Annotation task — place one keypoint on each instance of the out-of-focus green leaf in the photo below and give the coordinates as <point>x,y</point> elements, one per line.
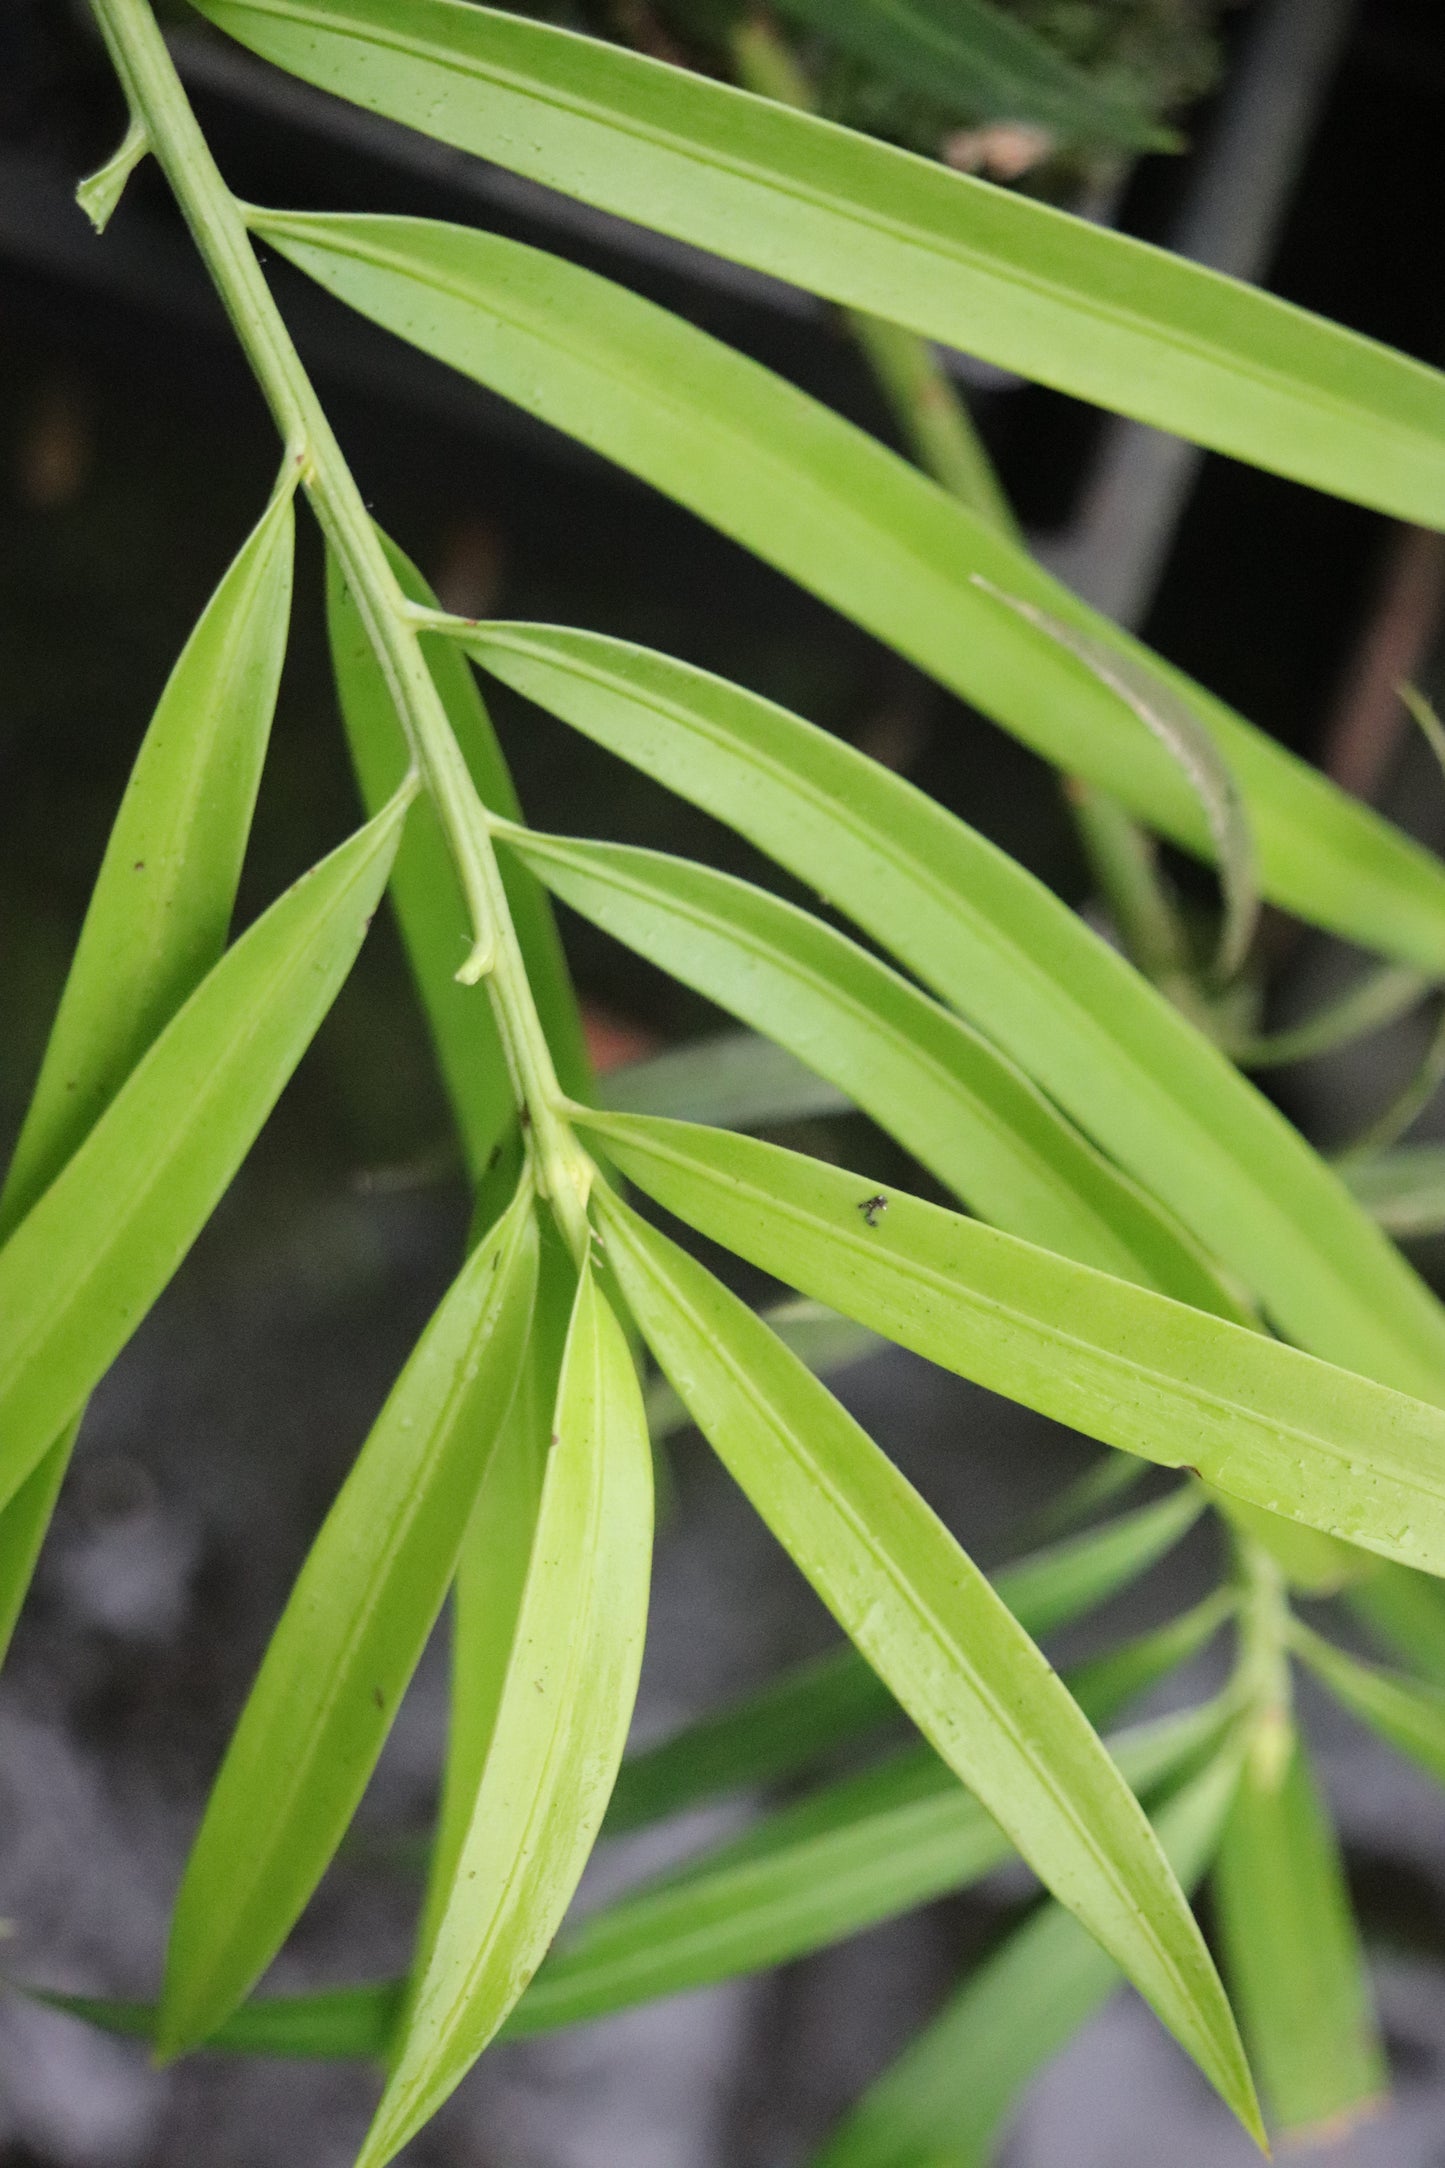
<point>861,527</point>
<point>1404,1190</point>
<point>822,1704</point>
<point>1111,1476</point>
<point>929,1623</point>
<point>959,1107</point>
<point>348,2023</point>
<point>1312,1562</point>
<point>987,62</point>
<point>429,903</point>
<point>946,2099</point>
<point>736,1079</point>
<point>1405,1612</point>
<point>558,1734</point>
<point>158,915</point>
<point>1406,1712</point>
<point>1105,1684</point>
<point>856,1852</point>
<point>1269,1424</point>
<point>349,1639</point>
<point>1292,1948</point>
<point>81,1270</point>
<point>1377,998</point>
<point>1000,948</point>
<point>1089,311</point>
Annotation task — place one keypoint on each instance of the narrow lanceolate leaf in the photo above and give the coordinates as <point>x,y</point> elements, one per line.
<point>492,1572</point>
<point>1030,288</point>
<point>928,1621</point>
<point>558,1733</point>
<point>1107,1683</point>
<point>1407,1712</point>
<point>350,1637</point>
<point>870,534</point>
<point>859,1851</point>
<point>1006,953</point>
<point>81,1270</point>
<point>434,921</point>
<point>346,2023</point>
<point>158,915</point>
<point>162,902</point>
<point>1292,1950</point>
<point>963,1110</point>
<point>973,54</point>
<point>1262,1421</point>
<point>818,1706</point>
<point>946,2099</point>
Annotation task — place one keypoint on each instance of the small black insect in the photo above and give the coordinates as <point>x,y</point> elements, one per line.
<point>873,1208</point>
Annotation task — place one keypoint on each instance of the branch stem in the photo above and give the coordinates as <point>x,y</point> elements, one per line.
<point>217,222</point>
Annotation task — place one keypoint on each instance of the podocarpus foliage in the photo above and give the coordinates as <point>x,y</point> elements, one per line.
<point>1149,1252</point>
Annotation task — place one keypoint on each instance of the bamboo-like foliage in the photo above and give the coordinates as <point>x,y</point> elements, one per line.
<point>1154,1255</point>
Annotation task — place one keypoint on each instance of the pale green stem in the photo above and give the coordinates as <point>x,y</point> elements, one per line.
<point>217,223</point>
<point>1262,1675</point>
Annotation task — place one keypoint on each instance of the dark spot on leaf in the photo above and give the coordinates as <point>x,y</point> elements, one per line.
<point>556,1437</point>
<point>524,1116</point>
<point>139,866</point>
<point>493,1156</point>
<point>378,1697</point>
<point>873,1208</point>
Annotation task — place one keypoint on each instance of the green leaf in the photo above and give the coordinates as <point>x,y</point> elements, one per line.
<point>1403,1190</point>
<point>559,1729</point>
<point>351,1635</point>
<point>157,918</point>
<point>733,1078</point>
<point>858,1851</point>
<point>927,1620</point>
<point>1264,1422</point>
<point>162,902</point>
<point>973,55</point>
<point>1404,1611</point>
<point>1105,1684</point>
<point>859,526</point>
<point>430,908</point>
<point>961,1109</point>
<point>1000,948</point>
<point>1410,1715</point>
<point>1378,997</point>
<point>947,2098</point>
<point>1088,311</point>
<point>81,1270</point>
<point>337,2022</point>
<point>491,1582</point>
<point>1292,1949</point>
<point>820,1705</point>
